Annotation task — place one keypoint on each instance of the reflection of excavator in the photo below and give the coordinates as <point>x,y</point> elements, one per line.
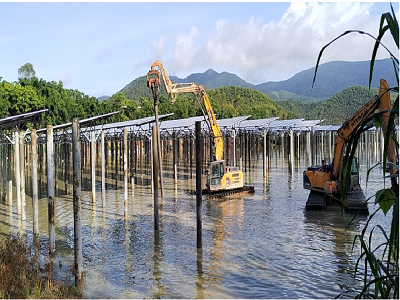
<point>219,176</point>
<point>326,179</point>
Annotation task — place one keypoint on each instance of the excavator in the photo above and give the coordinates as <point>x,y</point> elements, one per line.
<point>325,181</point>
<point>222,180</point>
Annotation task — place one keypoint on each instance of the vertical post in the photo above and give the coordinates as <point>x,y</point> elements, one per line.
<point>76,158</point>
<point>93,165</point>
<point>50,188</point>
<point>234,147</point>
<point>66,166</point>
<point>17,173</point>
<point>9,175</point>
<point>174,153</point>
<point>22,170</point>
<point>198,184</point>
<point>291,163</point>
<point>265,153</point>
<point>34,183</point>
<point>312,149</point>
<point>125,172</point>
<point>103,171</point>
<point>382,138</point>
<point>155,178</point>
<point>330,146</point>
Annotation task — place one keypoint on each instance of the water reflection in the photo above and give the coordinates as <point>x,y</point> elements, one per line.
<point>254,246</point>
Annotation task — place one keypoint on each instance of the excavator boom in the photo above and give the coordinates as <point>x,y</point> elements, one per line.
<point>382,102</point>
<point>179,88</point>
<point>327,179</point>
<point>222,180</point>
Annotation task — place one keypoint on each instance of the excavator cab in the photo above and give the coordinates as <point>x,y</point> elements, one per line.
<point>222,177</point>
<point>215,175</point>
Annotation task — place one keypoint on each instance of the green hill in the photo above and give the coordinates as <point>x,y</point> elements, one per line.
<point>342,105</point>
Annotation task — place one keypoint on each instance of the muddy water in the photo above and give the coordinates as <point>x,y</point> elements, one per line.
<point>254,246</point>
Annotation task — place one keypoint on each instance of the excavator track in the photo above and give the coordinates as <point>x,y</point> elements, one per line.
<point>224,193</point>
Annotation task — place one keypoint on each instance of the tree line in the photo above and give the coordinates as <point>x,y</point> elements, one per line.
<point>30,93</point>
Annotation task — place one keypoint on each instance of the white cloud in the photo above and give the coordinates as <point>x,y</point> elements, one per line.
<point>259,51</point>
<point>64,78</point>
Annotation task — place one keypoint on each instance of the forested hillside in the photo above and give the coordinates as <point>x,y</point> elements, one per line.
<point>29,94</point>
<point>336,109</point>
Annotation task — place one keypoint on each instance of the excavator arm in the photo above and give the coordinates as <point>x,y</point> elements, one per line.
<point>173,89</point>
<point>382,102</point>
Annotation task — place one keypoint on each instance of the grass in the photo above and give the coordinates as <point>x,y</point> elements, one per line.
<point>21,275</point>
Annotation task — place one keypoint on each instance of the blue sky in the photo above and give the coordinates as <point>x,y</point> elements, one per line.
<point>98,47</point>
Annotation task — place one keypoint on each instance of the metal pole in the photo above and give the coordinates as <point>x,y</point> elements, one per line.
<point>291,151</point>
<point>265,153</point>
<point>198,184</point>
<point>76,145</point>
<point>22,170</point>
<point>9,175</point>
<point>234,147</point>
<point>174,152</point>
<point>103,171</point>
<point>125,172</point>
<point>93,163</point>
<point>155,178</point>
<point>17,173</point>
<point>34,183</point>
<point>50,188</point>
<point>158,145</point>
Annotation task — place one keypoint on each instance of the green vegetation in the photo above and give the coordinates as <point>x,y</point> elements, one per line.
<point>342,105</point>
<point>31,93</point>
<point>22,277</point>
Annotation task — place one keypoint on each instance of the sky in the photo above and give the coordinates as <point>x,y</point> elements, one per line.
<point>99,47</point>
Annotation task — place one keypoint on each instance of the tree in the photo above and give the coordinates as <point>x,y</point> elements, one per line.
<point>26,71</point>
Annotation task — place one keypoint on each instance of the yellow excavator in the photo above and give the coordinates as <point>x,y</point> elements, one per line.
<point>221,179</point>
<point>325,181</point>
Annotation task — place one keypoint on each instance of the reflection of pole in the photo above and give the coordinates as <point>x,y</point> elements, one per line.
<point>155,178</point>
<point>199,159</point>
<point>34,183</point>
<point>76,158</point>
<point>50,188</point>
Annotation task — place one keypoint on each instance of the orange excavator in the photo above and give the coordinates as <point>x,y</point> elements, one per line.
<point>325,181</point>
<point>221,179</point>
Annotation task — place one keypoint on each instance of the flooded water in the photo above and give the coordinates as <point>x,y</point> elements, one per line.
<point>264,245</point>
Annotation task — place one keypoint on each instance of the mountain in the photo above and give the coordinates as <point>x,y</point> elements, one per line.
<point>212,80</point>
<point>333,77</point>
<point>102,98</point>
